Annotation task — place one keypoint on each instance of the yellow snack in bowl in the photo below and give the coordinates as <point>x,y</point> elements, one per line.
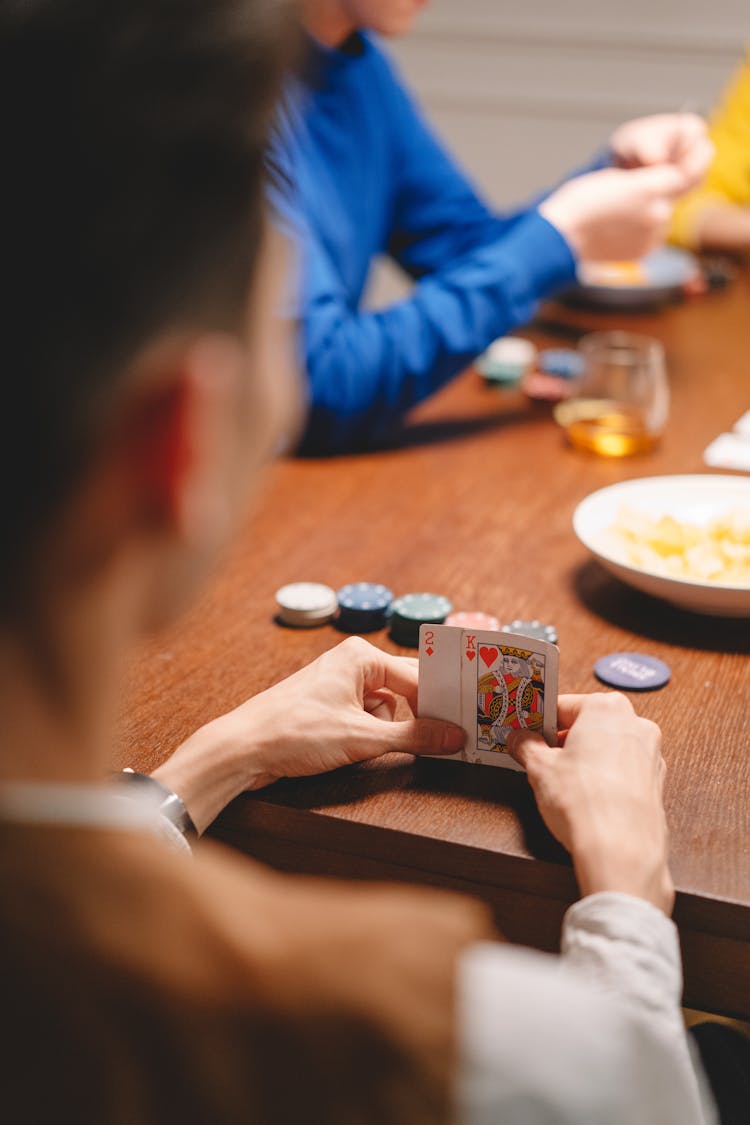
<point>717,552</point>
<point>612,273</point>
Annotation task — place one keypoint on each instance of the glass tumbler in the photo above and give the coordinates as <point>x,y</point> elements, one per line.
<point>620,404</point>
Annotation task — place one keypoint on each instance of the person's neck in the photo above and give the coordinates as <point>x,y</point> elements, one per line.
<point>59,692</point>
<point>328,22</point>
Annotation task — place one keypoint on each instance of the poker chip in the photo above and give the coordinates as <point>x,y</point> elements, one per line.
<point>565,363</point>
<point>533,629</point>
<point>305,604</point>
<point>545,388</point>
<point>696,286</point>
<point>412,610</point>
<point>632,671</point>
<point>506,360</point>
<point>717,272</point>
<point>472,620</point>
<point>363,607</point>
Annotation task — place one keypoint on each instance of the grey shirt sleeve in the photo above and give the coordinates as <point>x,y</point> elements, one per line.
<point>592,1037</point>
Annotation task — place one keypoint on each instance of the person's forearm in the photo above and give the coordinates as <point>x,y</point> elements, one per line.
<point>367,369</point>
<point>635,866</point>
<point>723,227</point>
<point>211,768</point>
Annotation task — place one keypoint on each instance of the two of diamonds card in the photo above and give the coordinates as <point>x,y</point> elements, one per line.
<point>489,683</point>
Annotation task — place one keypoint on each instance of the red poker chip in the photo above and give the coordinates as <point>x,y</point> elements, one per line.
<point>545,388</point>
<point>473,620</point>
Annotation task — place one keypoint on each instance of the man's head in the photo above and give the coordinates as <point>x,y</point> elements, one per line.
<point>131,226</point>
<point>386,17</point>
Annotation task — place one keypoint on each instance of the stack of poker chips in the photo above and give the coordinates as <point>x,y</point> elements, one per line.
<point>506,360</point>
<point>364,607</point>
<point>558,370</point>
<point>412,610</point>
<point>306,604</point>
<point>565,363</point>
<point>473,619</point>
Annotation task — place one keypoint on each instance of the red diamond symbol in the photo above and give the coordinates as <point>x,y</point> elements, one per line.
<point>429,651</point>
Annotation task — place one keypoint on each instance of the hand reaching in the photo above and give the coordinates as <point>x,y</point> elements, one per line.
<point>622,213</point>
<point>615,215</point>
<point>665,138</point>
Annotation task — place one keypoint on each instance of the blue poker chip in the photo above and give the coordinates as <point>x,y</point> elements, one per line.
<point>565,363</point>
<point>632,671</point>
<point>364,607</point>
<point>365,596</point>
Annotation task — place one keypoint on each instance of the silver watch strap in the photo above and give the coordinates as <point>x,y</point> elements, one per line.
<point>171,806</point>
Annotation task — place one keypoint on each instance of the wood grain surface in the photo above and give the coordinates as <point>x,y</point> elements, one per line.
<point>475,501</point>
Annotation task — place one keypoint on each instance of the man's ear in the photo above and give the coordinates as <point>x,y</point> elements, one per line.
<point>161,490</point>
<point>179,436</point>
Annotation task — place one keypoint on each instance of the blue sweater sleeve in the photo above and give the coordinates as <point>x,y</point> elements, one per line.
<point>438,214</point>
<point>366,369</point>
<point>477,277</point>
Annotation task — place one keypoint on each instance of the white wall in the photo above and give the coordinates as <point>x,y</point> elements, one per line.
<point>523,92</point>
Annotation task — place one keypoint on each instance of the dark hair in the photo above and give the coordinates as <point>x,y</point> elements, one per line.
<point>132,138</point>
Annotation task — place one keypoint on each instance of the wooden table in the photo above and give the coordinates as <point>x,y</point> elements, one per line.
<point>476,503</point>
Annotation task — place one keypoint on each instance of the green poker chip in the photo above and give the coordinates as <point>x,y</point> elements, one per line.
<point>432,608</point>
<point>412,610</point>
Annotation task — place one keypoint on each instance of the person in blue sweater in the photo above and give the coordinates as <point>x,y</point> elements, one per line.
<point>357,172</point>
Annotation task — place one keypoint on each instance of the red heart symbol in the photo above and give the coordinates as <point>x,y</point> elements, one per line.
<point>488,655</point>
<point>470,654</point>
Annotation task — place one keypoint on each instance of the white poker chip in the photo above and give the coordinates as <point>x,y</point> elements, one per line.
<point>305,604</point>
<point>507,360</point>
<point>511,349</point>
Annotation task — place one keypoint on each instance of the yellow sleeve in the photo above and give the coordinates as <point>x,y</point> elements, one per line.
<point>728,179</point>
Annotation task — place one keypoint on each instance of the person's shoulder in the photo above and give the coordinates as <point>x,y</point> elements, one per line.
<point>218,962</point>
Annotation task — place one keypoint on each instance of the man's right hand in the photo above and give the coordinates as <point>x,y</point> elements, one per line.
<point>616,214</point>
<point>600,794</point>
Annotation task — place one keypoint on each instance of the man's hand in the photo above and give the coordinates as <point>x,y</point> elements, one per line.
<point>614,214</point>
<point>336,711</point>
<point>665,138</point>
<point>600,794</point>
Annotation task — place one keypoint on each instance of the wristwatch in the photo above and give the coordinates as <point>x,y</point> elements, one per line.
<point>171,806</point>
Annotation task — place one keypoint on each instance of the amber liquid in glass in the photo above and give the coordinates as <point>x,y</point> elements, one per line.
<point>606,427</point>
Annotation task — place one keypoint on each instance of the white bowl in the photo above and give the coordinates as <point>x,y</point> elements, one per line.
<point>692,498</point>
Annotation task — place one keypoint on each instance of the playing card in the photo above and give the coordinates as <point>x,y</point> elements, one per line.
<point>508,681</point>
<point>439,672</point>
<point>489,682</point>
